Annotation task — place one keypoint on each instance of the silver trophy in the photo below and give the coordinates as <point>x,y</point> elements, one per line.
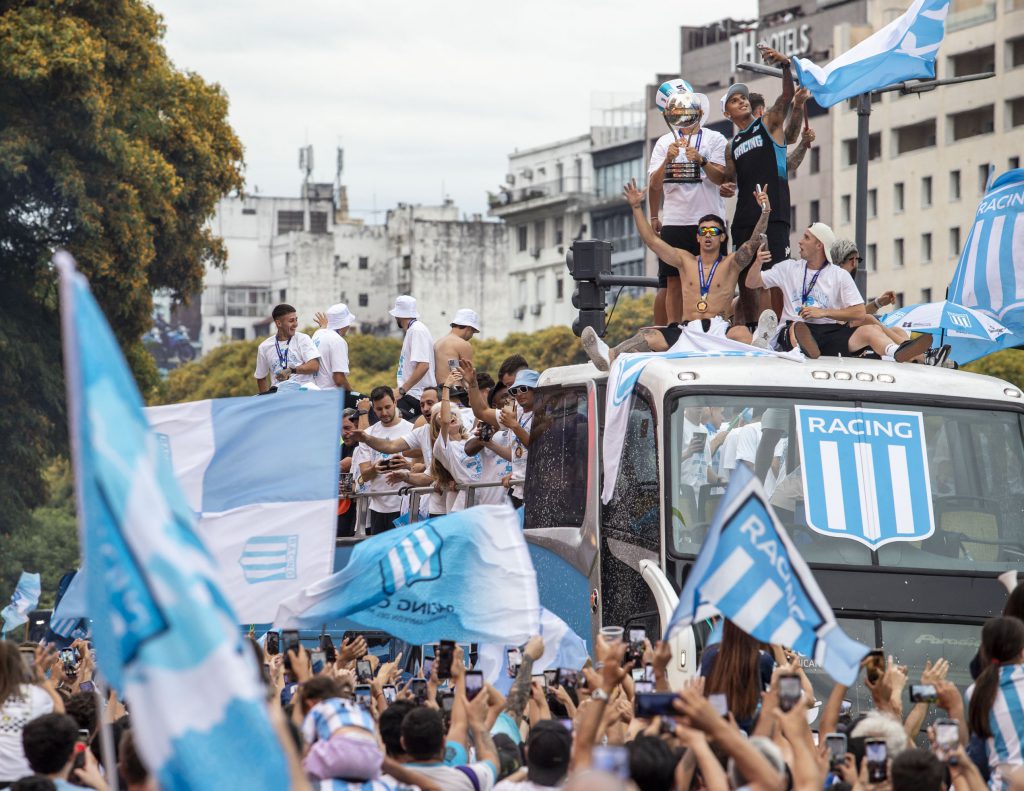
<point>683,114</point>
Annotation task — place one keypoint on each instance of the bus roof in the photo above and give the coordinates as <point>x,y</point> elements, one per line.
<point>833,374</point>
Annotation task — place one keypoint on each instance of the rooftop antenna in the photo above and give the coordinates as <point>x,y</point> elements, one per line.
<point>306,162</point>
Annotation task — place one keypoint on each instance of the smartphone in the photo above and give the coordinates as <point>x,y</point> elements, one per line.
<point>876,754</point>
<point>568,678</point>
<point>428,666</point>
<point>699,438</point>
<point>390,692</point>
<point>551,677</point>
<point>764,240</point>
<point>541,679</point>
<point>814,738</point>
<point>28,658</point>
<point>654,704</point>
<point>67,658</point>
<point>649,672</point>
<point>327,646</point>
<point>947,737</point>
<point>364,670</point>
<point>845,708</point>
<point>364,694</point>
<point>614,760</point>
<point>837,749</point>
<point>720,702</point>
<point>273,644</point>
<point>445,653</point>
<point>515,659</point>
<point>789,691</point>
<point>419,691</point>
<point>635,654</point>
<point>643,687</point>
<point>923,693</point>
<point>875,665</point>
<point>317,658</point>
<point>395,461</point>
<point>474,683</point>
<point>638,674</point>
<point>453,364</point>
<point>87,686</point>
<point>290,639</point>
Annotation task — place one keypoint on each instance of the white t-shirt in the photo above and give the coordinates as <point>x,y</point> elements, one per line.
<point>15,714</point>
<point>273,356</point>
<point>465,469</point>
<point>388,503</point>
<point>420,439</point>
<point>523,785</point>
<point>418,347</point>
<point>519,451</point>
<point>451,778</point>
<point>333,357</point>
<point>495,468</point>
<point>685,204</point>
<point>748,438</point>
<point>834,288</point>
<point>772,479</point>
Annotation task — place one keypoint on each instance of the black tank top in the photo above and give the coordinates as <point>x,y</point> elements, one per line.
<point>759,160</point>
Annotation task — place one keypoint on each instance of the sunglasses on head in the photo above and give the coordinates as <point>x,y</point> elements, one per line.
<point>520,389</point>
<point>710,231</point>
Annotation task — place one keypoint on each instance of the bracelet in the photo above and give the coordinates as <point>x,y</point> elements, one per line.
<point>363,411</point>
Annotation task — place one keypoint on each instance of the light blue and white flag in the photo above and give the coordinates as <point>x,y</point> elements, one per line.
<point>466,577</point>
<point>905,49</point>
<point>990,274</point>
<point>626,372</point>
<point>165,634</point>
<point>750,571</point>
<point>23,601</point>
<point>262,476</point>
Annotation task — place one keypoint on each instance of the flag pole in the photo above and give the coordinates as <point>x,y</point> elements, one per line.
<point>861,221</point>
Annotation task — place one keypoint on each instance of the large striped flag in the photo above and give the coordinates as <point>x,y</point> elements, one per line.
<point>749,570</point>
<point>164,632</point>
<point>990,275</point>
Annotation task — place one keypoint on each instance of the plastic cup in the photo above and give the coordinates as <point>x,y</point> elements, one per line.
<point>612,634</point>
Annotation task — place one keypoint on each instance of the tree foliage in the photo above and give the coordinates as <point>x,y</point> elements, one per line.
<point>109,151</point>
<point>1007,364</point>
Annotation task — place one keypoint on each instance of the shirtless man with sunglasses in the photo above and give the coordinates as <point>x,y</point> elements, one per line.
<point>708,284</point>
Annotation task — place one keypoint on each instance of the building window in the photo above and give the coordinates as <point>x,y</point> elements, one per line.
<point>792,217</point>
<point>815,211</point>
<point>872,204</point>
<point>899,300</point>
<point>342,264</point>
<point>364,262</point>
<point>406,262</point>
<point>954,242</point>
<point>926,248</point>
<point>971,123</point>
<point>238,333</point>
<point>521,235</point>
<point>364,300</point>
<point>282,295</point>
<point>926,192</point>
<point>1015,111</point>
<point>897,196</point>
<point>559,289</point>
<point>914,136</point>
<point>872,257</point>
<point>538,235</point>
<point>983,177</point>
<point>1013,163</point>
<point>318,222</point>
<point>954,185</point>
<point>850,148</point>
<point>1015,52</point>
<point>897,253</point>
<point>926,295</point>
<point>560,177</point>
<point>559,223</point>
<point>973,62</point>
<point>289,221</point>
<point>815,160</point>
<point>844,208</point>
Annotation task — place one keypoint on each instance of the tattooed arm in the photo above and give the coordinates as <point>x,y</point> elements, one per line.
<point>519,695</point>
<point>748,249</point>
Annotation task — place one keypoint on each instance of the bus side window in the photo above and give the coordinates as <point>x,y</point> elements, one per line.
<point>556,473</point>
<point>633,508</point>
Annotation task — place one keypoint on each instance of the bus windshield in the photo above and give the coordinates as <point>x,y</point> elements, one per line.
<point>859,483</point>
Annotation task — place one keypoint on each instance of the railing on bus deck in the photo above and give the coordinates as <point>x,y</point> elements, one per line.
<point>415,493</point>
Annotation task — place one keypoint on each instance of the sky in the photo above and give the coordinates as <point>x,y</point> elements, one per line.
<point>427,99</point>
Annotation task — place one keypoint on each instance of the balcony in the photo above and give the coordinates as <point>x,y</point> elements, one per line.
<point>512,200</point>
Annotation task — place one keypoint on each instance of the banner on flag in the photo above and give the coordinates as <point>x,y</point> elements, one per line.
<point>990,274</point>
<point>626,371</point>
<point>270,525</point>
<point>905,49</point>
<point>165,634</point>
<point>749,571</point>
<point>466,577</point>
<point>23,601</point>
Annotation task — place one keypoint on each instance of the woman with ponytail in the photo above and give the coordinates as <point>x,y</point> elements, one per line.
<point>996,710</point>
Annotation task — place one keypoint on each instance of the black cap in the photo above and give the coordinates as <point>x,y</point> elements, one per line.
<point>548,749</point>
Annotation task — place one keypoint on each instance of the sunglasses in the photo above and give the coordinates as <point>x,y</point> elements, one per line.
<point>710,231</point>
<point>517,390</point>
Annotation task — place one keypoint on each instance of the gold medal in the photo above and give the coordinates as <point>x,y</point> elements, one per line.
<point>702,305</point>
<point>519,451</point>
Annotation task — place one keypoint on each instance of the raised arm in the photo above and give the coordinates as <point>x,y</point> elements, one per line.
<point>796,115</point>
<point>775,118</point>
<point>796,156</point>
<point>380,444</point>
<point>476,399</point>
<point>729,173</point>
<point>662,249</point>
<point>745,255</point>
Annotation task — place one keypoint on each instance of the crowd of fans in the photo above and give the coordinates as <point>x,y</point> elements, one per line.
<point>351,718</point>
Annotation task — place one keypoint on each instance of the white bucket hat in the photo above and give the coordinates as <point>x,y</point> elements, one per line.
<point>339,317</point>
<point>405,308</point>
<point>464,317</point>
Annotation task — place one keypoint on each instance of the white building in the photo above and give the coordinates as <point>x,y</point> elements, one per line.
<point>307,252</point>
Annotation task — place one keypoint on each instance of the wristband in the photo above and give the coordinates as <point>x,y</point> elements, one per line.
<point>363,411</point>
<point>599,694</point>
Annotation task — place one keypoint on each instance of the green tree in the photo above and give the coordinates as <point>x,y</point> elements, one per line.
<point>1007,364</point>
<point>109,151</point>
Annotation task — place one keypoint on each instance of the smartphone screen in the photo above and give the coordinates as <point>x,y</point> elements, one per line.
<point>447,702</point>
<point>474,683</point>
<point>541,680</point>
<point>317,659</point>
<point>364,670</point>
<point>445,653</point>
<point>789,691</point>
<point>876,753</point>
<point>390,692</point>
<point>363,695</point>
<point>720,702</point>
<point>515,659</point>
<point>87,686</point>
<point>654,704</point>
<point>273,644</point>
<point>428,666</point>
<point>638,674</point>
<point>28,659</point>
<point>419,690</point>
<point>836,743</point>
<point>327,646</point>
<point>947,735</point>
<point>845,708</point>
<point>923,693</point>
<point>290,639</point>
<point>643,687</point>
<point>551,677</point>
<point>568,678</point>
<point>614,760</point>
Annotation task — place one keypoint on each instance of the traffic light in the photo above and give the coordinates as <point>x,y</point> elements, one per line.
<point>587,260</point>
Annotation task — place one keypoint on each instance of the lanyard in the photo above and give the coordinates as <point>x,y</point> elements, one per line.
<point>282,359</point>
<point>705,287</point>
<point>696,145</point>
<point>805,290</point>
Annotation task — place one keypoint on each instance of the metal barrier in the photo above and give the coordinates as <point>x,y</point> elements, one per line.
<point>415,493</point>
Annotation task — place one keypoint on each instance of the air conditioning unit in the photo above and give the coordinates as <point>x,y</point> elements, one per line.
<point>527,173</point>
<point>510,179</point>
<point>535,252</point>
<point>518,313</point>
<point>535,308</point>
